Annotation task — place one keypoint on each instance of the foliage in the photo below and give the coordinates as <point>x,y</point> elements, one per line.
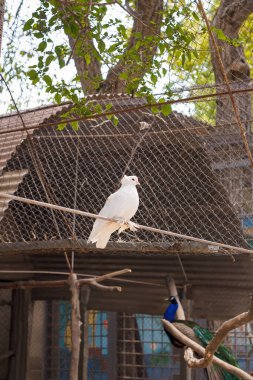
<point>182,50</point>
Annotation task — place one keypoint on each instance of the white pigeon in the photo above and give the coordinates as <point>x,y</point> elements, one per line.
<point>122,205</point>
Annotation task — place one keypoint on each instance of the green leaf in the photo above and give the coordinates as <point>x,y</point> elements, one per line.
<point>61,62</point>
<point>28,24</point>
<point>87,58</point>
<point>108,106</point>
<point>153,78</point>
<point>155,109</point>
<point>115,120</point>
<point>166,109</point>
<point>183,59</point>
<point>32,74</point>
<point>195,16</point>
<point>75,125</point>
<point>61,126</point>
<point>101,46</point>
<point>123,76</point>
<point>47,79</point>
<point>42,46</point>
<point>49,59</point>
<point>57,98</point>
<point>38,35</point>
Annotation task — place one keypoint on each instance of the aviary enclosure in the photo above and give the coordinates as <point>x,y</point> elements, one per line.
<point>69,310</point>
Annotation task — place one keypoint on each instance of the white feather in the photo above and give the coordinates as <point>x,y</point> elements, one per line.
<point>122,205</point>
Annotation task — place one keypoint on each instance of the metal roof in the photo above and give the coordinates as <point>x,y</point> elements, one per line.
<point>219,285</point>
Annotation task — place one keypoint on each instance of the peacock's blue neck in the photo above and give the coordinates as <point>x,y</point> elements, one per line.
<point>170,312</point>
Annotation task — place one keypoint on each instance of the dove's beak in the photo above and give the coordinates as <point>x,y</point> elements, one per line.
<point>138,183</point>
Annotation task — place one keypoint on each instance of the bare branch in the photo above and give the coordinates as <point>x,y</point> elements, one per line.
<point>201,351</point>
<point>222,332</point>
<point>112,274</point>
<point>95,284</point>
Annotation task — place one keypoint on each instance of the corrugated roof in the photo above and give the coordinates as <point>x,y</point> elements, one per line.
<point>219,287</point>
<point>9,142</point>
<point>8,184</point>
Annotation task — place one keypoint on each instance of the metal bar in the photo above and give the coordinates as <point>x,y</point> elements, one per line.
<point>129,109</point>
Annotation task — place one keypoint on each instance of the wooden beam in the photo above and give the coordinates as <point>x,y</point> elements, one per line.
<point>81,246</point>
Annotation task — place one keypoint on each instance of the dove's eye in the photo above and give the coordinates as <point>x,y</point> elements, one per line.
<point>132,179</point>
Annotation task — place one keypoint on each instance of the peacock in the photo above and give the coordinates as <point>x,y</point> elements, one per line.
<point>202,336</point>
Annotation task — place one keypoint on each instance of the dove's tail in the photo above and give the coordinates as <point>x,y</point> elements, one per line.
<point>102,237</point>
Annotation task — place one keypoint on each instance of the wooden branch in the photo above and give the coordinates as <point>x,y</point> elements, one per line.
<point>222,332</point>
<point>93,281</point>
<point>112,274</point>
<point>138,226</point>
<point>95,284</point>
<point>75,326</point>
<point>201,351</point>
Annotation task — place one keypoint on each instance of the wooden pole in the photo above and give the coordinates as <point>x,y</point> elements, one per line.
<point>75,327</point>
<point>84,349</point>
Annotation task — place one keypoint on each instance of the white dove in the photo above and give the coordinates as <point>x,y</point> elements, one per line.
<point>122,205</point>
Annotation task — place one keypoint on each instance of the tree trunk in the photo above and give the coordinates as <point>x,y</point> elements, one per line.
<point>229,18</point>
<point>147,22</point>
<point>147,18</point>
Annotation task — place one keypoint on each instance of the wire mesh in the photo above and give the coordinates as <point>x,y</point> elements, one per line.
<point>180,189</point>
<point>194,169</point>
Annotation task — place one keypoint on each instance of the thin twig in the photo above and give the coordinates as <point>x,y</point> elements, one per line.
<point>138,226</point>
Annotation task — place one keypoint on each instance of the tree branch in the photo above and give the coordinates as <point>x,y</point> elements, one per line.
<point>89,70</point>
<point>222,332</point>
<point>147,22</point>
<point>201,351</point>
<point>229,18</point>
<point>95,284</point>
